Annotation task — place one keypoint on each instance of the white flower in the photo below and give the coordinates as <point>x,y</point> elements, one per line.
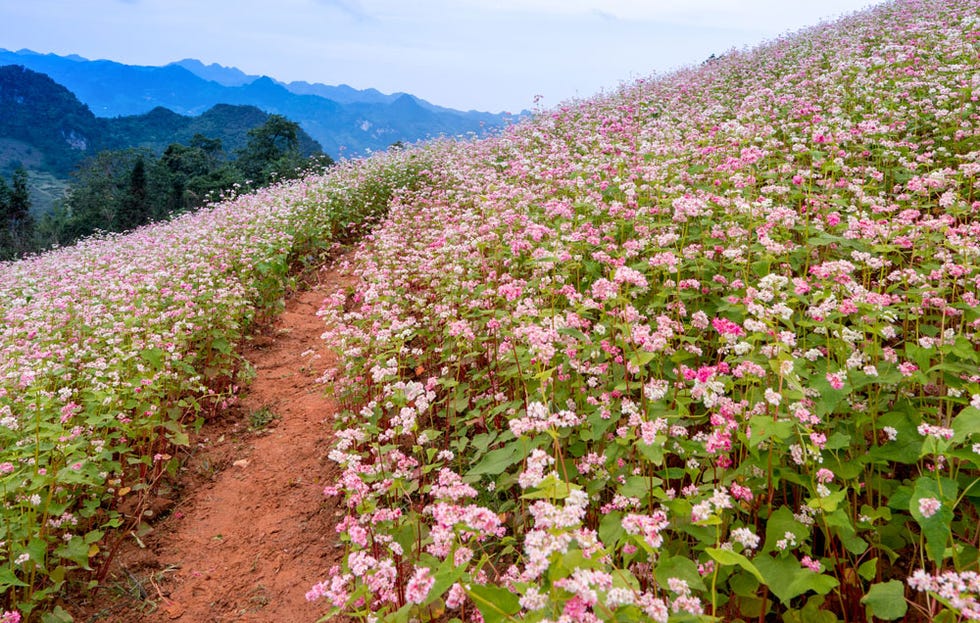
<point>747,538</point>
<point>773,397</point>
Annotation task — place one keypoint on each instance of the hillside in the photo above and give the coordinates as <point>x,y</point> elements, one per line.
<point>345,121</point>
<point>230,123</point>
<point>43,124</point>
<point>702,349</point>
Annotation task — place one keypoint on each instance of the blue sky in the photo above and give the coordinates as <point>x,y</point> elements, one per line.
<point>469,54</point>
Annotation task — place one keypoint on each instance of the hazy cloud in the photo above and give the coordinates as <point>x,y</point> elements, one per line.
<point>351,8</point>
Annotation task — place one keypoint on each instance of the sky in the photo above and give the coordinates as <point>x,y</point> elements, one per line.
<point>491,55</point>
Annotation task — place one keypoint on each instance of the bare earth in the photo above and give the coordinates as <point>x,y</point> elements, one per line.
<point>250,531</point>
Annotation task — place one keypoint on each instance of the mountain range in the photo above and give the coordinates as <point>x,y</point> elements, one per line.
<point>50,130</point>
<point>344,120</point>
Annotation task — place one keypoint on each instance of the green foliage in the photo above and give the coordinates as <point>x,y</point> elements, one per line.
<point>272,153</point>
<point>886,601</point>
<point>16,222</point>
<point>120,190</point>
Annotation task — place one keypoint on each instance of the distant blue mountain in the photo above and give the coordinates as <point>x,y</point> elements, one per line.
<point>344,120</point>
<point>45,128</point>
<point>227,76</point>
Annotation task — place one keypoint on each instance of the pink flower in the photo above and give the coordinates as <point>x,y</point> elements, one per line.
<point>334,589</point>
<point>939,432</point>
<point>456,596</point>
<point>727,327</point>
<point>836,379</point>
<point>741,493</point>
<point>907,368</point>
<point>603,289</point>
<point>625,274</point>
<point>647,526</point>
<point>929,506</point>
<point>418,587</point>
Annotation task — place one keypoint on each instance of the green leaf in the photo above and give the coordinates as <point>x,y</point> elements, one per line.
<point>886,600</point>
<point>810,613</point>
<point>635,487</point>
<point>830,398</point>
<point>908,444</point>
<point>780,522</point>
<point>787,579</point>
<point>936,528</point>
<point>652,452</point>
<point>965,424</point>
<point>8,579</point>
<point>763,427</point>
<point>748,605</point>
<point>179,438</point>
<point>406,533</point>
<point>551,488</point>
<point>869,569</point>
<point>154,356</point>
<point>497,461</point>
<point>727,558</point>
<point>743,583</point>
<point>611,528</point>
<point>495,604</point>
<point>680,567</point>
<point>221,345</point>
<point>482,442</point>
<point>445,576</point>
<point>58,615</point>
<point>75,550</point>
<point>840,525</point>
<point>828,503</point>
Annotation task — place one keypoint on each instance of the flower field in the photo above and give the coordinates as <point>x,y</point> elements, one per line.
<point>112,348</point>
<point>704,348</point>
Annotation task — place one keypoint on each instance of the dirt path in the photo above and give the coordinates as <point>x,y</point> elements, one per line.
<point>252,530</point>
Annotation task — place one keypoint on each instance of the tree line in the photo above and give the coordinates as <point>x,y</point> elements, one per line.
<point>120,190</point>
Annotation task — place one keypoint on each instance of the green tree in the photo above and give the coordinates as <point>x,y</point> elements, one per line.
<point>101,188</point>
<point>211,147</point>
<point>16,223</point>
<point>272,151</point>
<point>196,173</point>
<point>134,208</point>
